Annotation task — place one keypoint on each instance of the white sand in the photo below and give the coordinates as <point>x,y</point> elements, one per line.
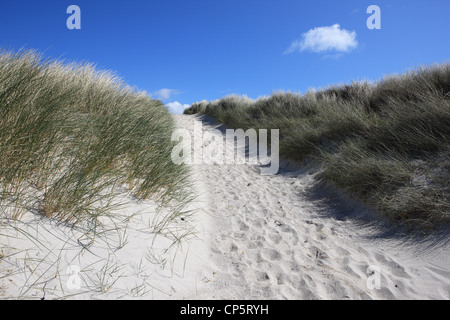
<point>122,258</point>
<point>257,237</point>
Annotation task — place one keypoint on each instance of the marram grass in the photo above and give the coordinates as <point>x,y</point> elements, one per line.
<point>72,137</point>
<point>386,143</point>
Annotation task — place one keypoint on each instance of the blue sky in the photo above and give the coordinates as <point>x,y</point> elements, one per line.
<point>190,50</point>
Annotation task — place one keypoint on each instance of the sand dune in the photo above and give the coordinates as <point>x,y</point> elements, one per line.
<point>252,237</point>
<point>270,238</point>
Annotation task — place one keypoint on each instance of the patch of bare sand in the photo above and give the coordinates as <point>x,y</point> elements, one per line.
<point>270,239</point>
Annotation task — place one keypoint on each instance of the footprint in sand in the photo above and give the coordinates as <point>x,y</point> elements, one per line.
<point>271,254</point>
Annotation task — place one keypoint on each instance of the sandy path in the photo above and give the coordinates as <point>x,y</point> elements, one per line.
<point>269,239</point>
<point>257,237</point>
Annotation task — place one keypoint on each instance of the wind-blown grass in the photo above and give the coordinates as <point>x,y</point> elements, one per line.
<point>386,143</point>
<point>71,138</point>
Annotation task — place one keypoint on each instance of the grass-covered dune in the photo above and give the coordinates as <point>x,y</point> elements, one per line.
<point>386,143</point>
<point>72,137</point>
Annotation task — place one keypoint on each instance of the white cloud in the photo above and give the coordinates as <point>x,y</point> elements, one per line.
<point>165,94</point>
<point>325,39</point>
<point>176,107</point>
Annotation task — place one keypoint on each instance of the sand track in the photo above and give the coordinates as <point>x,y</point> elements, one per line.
<point>270,239</point>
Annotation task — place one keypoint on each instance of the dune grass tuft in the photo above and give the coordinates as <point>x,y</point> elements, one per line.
<point>72,136</point>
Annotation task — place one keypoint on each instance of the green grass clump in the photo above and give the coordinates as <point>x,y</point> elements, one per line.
<point>386,143</point>
<point>71,137</point>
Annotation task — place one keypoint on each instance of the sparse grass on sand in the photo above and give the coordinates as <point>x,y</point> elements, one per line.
<point>71,138</point>
<point>386,143</point>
